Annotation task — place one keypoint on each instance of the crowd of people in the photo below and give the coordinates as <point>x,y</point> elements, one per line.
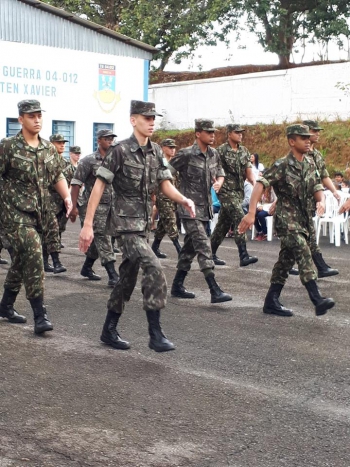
<point>120,189</point>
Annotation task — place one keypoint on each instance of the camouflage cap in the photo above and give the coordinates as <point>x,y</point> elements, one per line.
<point>104,133</point>
<point>75,149</point>
<point>298,129</point>
<point>234,127</point>
<point>58,138</point>
<point>202,124</point>
<point>143,108</point>
<point>312,124</point>
<point>29,106</point>
<point>170,143</point>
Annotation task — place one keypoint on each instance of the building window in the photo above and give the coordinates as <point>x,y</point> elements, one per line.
<point>67,130</point>
<point>97,128</point>
<point>12,127</point>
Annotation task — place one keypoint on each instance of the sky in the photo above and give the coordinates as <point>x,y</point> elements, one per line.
<point>253,53</point>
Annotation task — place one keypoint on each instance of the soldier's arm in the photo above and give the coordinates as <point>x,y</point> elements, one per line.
<point>171,192</point>
<point>320,202</point>
<point>249,218</point>
<point>62,189</point>
<point>327,182</point>
<point>86,234</point>
<point>250,176</point>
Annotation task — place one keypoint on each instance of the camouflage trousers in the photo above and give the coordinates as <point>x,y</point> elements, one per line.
<point>101,246</point>
<point>230,213</point>
<point>51,237</point>
<point>62,220</point>
<point>167,225</point>
<point>294,247</point>
<point>27,262</point>
<point>138,254</point>
<point>312,240</point>
<point>196,242</point>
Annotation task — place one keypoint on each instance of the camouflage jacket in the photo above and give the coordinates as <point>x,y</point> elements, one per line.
<point>85,174</point>
<point>197,172</point>
<point>294,184</point>
<point>57,202</point>
<point>27,173</point>
<point>320,163</point>
<point>234,164</point>
<point>162,202</point>
<point>134,173</point>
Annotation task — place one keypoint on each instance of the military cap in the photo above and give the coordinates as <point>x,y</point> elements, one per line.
<point>57,138</point>
<point>29,106</point>
<point>298,129</point>
<point>104,133</point>
<point>312,124</point>
<point>143,108</point>
<point>234,127</point>
<point>202,124</point>
<point>75,149</point>
<point>168,142</point>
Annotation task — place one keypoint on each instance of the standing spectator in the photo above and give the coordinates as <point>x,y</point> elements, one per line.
<point>258,167</point>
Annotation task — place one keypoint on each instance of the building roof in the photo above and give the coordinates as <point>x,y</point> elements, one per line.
<point>90,25</point>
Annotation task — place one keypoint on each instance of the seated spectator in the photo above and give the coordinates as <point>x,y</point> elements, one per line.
<point>258,167</point>
<point>248,188</point>
<point>264,209</point>
<point>338,180</point>
<point>345,186</point>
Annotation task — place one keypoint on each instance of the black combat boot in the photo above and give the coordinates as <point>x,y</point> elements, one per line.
<point>158,340</point>
<point>57,265</point>
<point>156,250</point>
<point>322,304</point>
<point>217,295</point>
<point>86,270</point>
<point>272,305</point>
<point>323,270</point>
<point>218,261</point>
<point>177,245</point>
<point>294,272</point>
<point>41,321</point>
<point>47,266</point>
<point>110,335</point>
<point>113,276</point>
<point>178,289</point>
<point>7,310</point>
<point>245,259</point>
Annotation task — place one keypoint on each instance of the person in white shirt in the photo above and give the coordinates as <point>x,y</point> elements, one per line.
<point>258,167</point>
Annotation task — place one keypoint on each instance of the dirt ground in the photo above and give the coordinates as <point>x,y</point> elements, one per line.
<point>242,389</point>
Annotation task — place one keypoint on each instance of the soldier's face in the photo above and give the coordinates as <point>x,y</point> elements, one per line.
<point>169,152</point>
<point>301,144</point>
<point>315,136</point>
<point>59,145</point>
<point>144,126</point>
<point>105,142</point>
<point>32,122</point>
<point>235,136</point>
<point>206,137</point>
<point>75,156</point>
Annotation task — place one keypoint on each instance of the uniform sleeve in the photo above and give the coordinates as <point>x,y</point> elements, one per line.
<point>111,164</point>
<point>3,159</point>
<point>58,174</point>
<point>220,172</point>
<point>247,164</point>
<point>180,161</point>
<point>81,173</point>
<point>272,175</point>
<point>321,167</point>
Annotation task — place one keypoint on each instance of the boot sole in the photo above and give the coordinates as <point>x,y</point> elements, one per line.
<point>222,300</point>
<point>320,275</point>
<point>182,296</point>
<point>270,311</point>
<point>250,262</point>
<point>322,309</point>
<point>161,349</point>
<point>61,270</point>
<point>115,345</point>
<point>41,331</point>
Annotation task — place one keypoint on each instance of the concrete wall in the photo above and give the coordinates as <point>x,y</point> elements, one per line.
<point>274,96</point>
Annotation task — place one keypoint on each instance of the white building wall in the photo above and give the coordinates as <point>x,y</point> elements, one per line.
<point>274,96</point>
<point>67,83</point>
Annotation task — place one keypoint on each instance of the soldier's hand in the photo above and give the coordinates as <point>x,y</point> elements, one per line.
<point>188,204</point>
<point>246,222</point>
<point>73,215</point>
<point>345,206</point>
<point>320,208</point>
<point>85,238</point>
<point>272,208</point>
<point>337,196</point>
<point>68,204</point>
<point>216,185</point>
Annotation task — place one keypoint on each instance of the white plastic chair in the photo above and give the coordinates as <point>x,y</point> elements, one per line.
<point>337,222</point>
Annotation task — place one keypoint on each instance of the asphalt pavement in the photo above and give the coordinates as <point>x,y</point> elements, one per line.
<point>242,389</point>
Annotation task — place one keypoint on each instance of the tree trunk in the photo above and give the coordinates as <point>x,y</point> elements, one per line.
<point>284,61</point>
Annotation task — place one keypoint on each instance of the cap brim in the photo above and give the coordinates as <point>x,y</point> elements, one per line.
<point>31,111</point>
<point>299,134</point>
<point>151,114</point>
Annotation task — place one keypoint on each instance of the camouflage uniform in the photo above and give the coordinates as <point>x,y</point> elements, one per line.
<point>197,172</point>
<point>134,173</point>
<point>294,183</point>
<point>231,194</point>
<point>25,200</point>
<point>85,174</point>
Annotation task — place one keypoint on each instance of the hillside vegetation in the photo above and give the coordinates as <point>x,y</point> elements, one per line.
<point>270,142</point>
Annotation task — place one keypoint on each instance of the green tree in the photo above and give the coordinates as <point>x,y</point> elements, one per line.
<point>279,25</point>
